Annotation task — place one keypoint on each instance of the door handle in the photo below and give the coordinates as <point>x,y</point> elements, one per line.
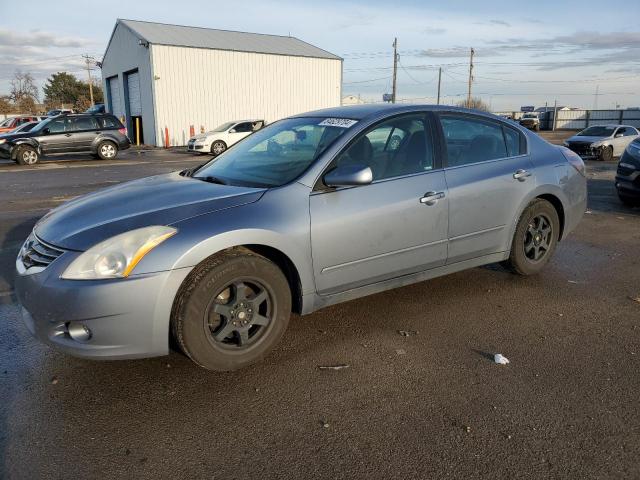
<point>431,198</point>
<point>521,175</point>
<point>67,134</point>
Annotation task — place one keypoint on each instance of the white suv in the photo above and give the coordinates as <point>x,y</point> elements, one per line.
<point>218,140</point>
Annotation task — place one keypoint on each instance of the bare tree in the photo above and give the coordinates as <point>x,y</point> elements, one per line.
<point>476,104</point>
<point>23,86</point>
<point>5,105</point>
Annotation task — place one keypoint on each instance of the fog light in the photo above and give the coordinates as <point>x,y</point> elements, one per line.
<point>79,332</point>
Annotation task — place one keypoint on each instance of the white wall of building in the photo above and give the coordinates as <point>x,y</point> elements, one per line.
<point>202,87</point>
<point>124,54</point>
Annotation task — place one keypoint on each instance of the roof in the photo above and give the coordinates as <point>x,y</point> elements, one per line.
<point>198,37</point>
<point>369,110</point>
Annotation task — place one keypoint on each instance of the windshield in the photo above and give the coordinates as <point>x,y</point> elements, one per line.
<point>224,127</point>
<point>27,127</point>
<point>6,122</point>
<point>277,154</point>
<point>597,131</point>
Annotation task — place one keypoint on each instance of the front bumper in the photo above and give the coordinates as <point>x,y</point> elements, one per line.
<point>127,318</point>
<point>196,147</point>
<point>629,185</point>
<point>5,150</point>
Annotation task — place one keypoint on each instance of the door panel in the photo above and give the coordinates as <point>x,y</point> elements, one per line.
<point>483,202</point>
<point>366,234</point>
<point>59,139</point>
<point>84,130</point>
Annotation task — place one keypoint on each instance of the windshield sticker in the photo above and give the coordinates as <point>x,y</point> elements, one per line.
<point>338,122</point>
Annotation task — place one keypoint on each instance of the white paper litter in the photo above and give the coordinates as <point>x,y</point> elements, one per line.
<point>500,359</point>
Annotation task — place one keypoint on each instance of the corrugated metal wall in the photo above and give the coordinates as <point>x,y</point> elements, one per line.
<point>208,87</point>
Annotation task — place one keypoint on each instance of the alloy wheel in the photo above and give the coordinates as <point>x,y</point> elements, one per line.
<point>30,157</point>
<point>239,314</point>
<point>538,238</point>
<point>108,150</point>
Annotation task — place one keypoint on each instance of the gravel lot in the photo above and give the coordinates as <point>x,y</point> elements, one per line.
<point>428,405</point>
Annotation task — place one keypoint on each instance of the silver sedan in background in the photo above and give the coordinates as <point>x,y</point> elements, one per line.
<point>313,210</point>
<point>602,141</point>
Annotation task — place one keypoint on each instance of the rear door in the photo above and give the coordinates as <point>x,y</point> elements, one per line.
<point>488,174</point>
<point>84,130</point>
<point>366,234</point>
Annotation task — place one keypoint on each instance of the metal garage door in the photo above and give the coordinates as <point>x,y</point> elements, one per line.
<point>133,85</point>
<point>115,102</point>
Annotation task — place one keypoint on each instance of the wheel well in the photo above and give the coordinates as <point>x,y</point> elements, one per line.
<point>557,204</point>
<point>288,268</point>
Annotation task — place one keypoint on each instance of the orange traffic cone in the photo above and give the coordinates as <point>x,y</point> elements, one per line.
<point>192,131</point>
<point>166,137</point>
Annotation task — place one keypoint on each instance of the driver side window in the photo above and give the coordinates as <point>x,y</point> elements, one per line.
<point>400,146</point>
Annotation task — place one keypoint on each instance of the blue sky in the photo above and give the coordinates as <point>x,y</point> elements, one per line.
<point>527,53</point>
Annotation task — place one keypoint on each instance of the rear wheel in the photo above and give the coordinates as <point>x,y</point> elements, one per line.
<point>107,150</point>
<point>27,155</point>
<point>535,238</point>
<point>606,154</point>
<point>231,310</point>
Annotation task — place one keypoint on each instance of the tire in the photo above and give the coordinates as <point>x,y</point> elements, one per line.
<point>218,147</point>
<point>606,154</point>
<point>629,201</point>
<point>215,315</point>
<point>107,150</point>
<point>536,128</point>
<point>26,155</point>
<point>533,246</point>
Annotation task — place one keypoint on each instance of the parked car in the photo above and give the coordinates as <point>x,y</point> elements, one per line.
<point>602,141</point>
<point>25,127</point>
<point>14,122</point>
<point>218,140</point>
<point>101,135</point>
<point>313,210</point>
<point>96,108</point>
<point>628,175</point>
<point>59,111</point>
<point>530,120</point>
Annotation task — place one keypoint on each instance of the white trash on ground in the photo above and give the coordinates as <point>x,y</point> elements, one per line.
<point>500,359</point>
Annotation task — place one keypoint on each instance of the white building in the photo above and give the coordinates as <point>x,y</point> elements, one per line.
<point>175,77</point>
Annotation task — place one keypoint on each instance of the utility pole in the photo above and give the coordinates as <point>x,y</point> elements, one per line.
<point>555,114</point>
<point>439,79</point>
<point>88,60</point>
<point>470,78</point>
<point>395,69</point>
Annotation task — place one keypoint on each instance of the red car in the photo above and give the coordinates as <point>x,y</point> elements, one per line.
<point>14,122</point>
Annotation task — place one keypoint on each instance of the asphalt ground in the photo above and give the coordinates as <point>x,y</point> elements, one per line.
<point>421,397</point>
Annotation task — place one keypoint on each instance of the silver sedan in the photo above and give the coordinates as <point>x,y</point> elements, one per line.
<point>311,211</point>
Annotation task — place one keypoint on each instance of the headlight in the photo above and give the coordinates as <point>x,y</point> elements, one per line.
<point>596,144</point>
<point>117,256</point>
<point>2,140</point>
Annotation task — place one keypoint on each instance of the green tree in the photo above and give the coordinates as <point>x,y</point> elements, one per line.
<point>61,88</point>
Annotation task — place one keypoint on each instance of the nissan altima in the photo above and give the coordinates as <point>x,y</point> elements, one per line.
<point>310,211</point>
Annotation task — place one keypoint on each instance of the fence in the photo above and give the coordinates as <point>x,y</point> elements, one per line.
<point>581,119</point>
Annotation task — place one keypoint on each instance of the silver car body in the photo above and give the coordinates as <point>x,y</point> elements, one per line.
<point>589,146</point>
<point>336,245</point>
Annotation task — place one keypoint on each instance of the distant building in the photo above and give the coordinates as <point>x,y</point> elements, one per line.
<point>158,76</point>
<point>551,109</point>
<point>352,100</point>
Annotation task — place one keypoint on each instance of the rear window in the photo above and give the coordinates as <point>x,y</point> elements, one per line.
<point>109,122</point>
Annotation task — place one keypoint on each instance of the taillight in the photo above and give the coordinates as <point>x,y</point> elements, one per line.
<point>574,159</point>
<point>123,131</point>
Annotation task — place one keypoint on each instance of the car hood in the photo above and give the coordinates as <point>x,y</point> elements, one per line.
<point>159,200</point>
<point>586,139</point>
<point>201,136</point>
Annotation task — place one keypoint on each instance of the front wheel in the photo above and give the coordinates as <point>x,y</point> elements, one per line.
<point>535,238</point>
<point>107,150</point>
<point>606,154</point>
<point>231,310</point>
<point>218,147</point>
<point>27,155</point>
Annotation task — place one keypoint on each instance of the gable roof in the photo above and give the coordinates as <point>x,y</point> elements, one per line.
<point>198,37</point>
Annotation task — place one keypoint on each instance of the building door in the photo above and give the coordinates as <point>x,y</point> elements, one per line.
<point>115,100</point>
<point>134,121</point>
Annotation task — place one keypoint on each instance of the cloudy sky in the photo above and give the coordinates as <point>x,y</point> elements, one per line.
<point>527,53</point>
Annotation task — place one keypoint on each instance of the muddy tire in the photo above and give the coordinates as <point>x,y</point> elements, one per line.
<point>27,155</point>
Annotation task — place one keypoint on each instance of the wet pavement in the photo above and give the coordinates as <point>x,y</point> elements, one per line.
<point>427,403</point>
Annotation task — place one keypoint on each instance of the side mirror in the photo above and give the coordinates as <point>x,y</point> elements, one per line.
<point>233,130</point>
<point>349,176</point>
<point>618,135</point>
<point>46,131</point>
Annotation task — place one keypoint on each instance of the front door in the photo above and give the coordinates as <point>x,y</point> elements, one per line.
<point>239,131</point>
<point>488,175</point>
<point>59,139</point>
<point>365,234</point>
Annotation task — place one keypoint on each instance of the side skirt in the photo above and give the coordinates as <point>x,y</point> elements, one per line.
<point>313,302</point>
